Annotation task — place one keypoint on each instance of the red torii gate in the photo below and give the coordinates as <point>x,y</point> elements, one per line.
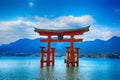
<point>72,56</point>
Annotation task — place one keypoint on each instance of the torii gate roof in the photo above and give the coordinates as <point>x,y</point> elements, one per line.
<point>78,31</point>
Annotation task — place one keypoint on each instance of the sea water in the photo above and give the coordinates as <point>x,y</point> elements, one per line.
<point>28,68</point>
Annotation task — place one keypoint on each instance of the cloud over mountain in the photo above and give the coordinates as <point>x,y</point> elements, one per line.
<point>23,28</point>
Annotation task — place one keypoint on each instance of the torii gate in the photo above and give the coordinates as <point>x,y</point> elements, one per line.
<point>72,56</point>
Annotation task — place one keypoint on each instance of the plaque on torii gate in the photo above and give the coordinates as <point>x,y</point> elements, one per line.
<point>72,57</point>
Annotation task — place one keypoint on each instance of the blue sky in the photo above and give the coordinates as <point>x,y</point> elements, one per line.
<point>22,15</point>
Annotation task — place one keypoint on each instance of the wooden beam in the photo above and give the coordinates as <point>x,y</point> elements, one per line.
<point>61,33</point>
<point>42,56</point>
<point>68,40</point>
<point>46,61</point>
<point>53,50</point>
<point>72,50</point>
<point>46,32</point>
<point>77,56</point>
<point>48,51</point>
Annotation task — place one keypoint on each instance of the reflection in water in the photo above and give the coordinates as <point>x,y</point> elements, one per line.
<point>18,68</point>
<point>49,73</point>
<point>72,73</point>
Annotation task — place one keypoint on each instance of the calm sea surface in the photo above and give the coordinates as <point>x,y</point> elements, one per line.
<point>28,68</point>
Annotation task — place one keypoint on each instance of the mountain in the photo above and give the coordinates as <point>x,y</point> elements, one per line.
<point>20,47</point>
<point>27,46</point>
<point>100,46</point>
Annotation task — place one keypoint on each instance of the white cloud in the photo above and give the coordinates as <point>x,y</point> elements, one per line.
<point>31,4</point>
<point>99,32</point>
<point>65,21</point>
<point>11,31</point>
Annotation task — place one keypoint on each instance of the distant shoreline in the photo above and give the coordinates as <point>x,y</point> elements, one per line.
<point>111,57</point>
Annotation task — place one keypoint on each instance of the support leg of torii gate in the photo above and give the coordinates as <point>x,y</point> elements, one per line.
<point>48,51</point>
<point>42,56</point>
<point>53,50</point>
<point>77,56</point>
<point>67,56</point>
<point>72,61</point>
